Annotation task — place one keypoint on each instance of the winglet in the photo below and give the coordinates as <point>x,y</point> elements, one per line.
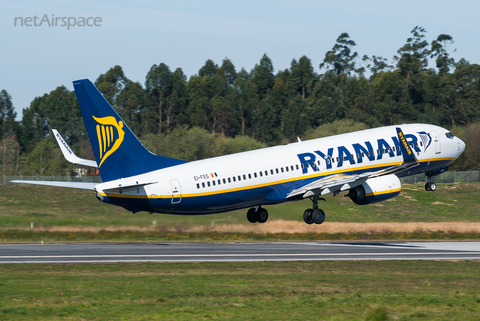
<point>407,152</point>
<point>68,152</point>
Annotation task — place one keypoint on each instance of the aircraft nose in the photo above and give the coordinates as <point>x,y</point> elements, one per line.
<point>461,145</point>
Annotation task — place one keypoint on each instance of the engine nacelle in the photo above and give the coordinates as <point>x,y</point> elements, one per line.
<point>375,190</point>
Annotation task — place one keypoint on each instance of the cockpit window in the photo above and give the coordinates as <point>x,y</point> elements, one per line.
<point>449,135</point>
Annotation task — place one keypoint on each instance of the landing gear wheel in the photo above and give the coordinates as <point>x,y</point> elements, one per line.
<point>307,216</point>
<point>262,215</point>
<point>252,215</point>
<point>318,216</point>
<point>430,187</point>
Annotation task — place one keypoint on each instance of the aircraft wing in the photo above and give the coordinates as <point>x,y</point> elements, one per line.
<point>79,185</point>
<point>69,154</point>
<point>342,182</point>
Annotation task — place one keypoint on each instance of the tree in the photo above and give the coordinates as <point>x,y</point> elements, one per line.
<point>159,87</point>
<point>111,83</point>
<point>7,114</point>
<point>377,65</point>
<point>392,101</point>
<point>227,71</point>
<point>244,102</point>
<point>341,59</point>
<point>178,101</point>
<point>131,102</point>
<point>209,69</point>
<point>263,77</point>
<point>46,159</point>
<point>302,75</point>
<point>440,48</point>
<point>414,54</point>
<point>10,154</point>
<point>221,113</point>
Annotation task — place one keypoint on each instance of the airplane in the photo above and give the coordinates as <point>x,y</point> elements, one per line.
<point>366,164</point>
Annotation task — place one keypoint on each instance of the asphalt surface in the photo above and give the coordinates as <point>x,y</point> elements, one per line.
<point>202,252</point>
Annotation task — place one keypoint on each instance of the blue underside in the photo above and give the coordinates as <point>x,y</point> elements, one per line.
<point>268,195</point>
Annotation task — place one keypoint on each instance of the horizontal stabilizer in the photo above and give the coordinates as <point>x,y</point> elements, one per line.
<point>120,187</point>
<point>69,154</point>
<point>79,185</point>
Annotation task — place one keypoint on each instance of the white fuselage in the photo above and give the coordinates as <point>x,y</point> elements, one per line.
<point>267,175</point>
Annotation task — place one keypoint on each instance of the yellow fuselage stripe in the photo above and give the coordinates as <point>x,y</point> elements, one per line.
<point>271,183</point>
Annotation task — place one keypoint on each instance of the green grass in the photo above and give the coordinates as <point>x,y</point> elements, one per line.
<point>52,206</point>
<point>155,236</point>
<point>353,290</point>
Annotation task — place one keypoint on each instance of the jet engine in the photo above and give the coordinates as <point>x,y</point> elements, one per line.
<point>375,190</point>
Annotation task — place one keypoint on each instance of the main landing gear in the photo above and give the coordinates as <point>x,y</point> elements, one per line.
<point>257,214</point>
<point>430,186</point>
<point>314,215</point>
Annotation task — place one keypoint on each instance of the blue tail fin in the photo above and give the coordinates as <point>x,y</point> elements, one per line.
<point>117,150</point>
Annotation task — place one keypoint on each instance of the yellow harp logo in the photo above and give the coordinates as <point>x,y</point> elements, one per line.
<point>110,136</point>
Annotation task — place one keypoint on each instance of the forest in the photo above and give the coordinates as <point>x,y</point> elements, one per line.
<point>222,110</point>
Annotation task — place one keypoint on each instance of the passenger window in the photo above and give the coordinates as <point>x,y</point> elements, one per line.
<point>239,178</point>
<point>266,173</point>
<point>203,185</point>
<point>229,180</point>
<point>233,178</point>
<point>297,166</point>
<point>244,177</point>
<point>225,182</point>
<point>213,182</point>
<point>303,166</point>
<point>255,174</point>
<point>363,155</point>
<point>421,144</point>
<point>271,171</point>
<point>291,167</point>
<point>286,168</point>
<point>249,176</point>
<point>328,161</point>
<point>358,156</point>
<point>208,183</point>
<point>261,174</point>
<point>393,148</point>
<point>276,169</point>
<point>219,182</point>
<point>337,159</point>
<point>198,185</point>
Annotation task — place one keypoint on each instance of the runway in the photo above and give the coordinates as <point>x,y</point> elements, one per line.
<point>211,252</point>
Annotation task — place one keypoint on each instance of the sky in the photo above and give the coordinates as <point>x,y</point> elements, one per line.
<point>138,34</point>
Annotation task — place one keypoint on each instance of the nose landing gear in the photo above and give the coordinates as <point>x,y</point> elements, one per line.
<point>430,186</point>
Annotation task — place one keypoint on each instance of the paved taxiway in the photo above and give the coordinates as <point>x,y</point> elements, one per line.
<point>198,252</point>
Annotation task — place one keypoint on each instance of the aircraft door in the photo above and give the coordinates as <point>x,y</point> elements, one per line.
<point>436,142</point>
<point>176,191</point>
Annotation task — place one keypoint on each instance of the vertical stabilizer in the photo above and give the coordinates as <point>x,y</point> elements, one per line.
<point>117,150</point>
